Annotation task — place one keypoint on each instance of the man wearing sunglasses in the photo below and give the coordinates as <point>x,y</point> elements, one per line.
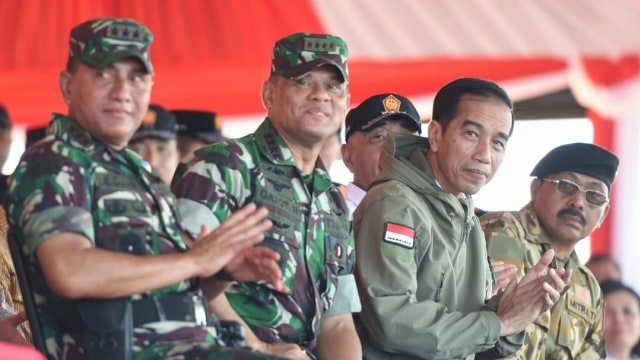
<point>569,199</point>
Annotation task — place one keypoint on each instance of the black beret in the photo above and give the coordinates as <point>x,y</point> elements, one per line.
<point>587,159</point>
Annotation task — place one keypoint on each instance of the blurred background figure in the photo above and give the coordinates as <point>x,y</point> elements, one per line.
<point>197,129</point>
<point>5,145</point>
<point>11,303</point>
<point>155,142</point>
<point>604,267</point>
<point>621,321</point>
<point>34,135</point>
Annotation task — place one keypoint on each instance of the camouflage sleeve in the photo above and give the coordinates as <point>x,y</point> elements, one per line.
<point>505,243</point>
<point>346,299</point>
<point>506,246</point>
<point>209,187</point>
<point>351,251</point>
<point>50,194</point>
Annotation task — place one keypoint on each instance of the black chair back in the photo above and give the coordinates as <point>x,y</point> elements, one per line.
<point>108,324</point>
<point>27,295</point>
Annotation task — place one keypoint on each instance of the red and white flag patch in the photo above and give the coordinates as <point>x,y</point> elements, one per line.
<point>399,235</point>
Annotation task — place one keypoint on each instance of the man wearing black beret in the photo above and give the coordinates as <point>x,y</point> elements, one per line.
<point>569,199</point>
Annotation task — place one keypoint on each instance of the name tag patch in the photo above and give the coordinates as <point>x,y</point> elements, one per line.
<point>581,310</point>
<point>399,235</point>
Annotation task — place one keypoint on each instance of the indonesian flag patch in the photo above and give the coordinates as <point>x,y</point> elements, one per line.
<point>399,235</point>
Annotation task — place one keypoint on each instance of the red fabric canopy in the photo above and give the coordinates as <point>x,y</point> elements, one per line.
<point>208,54</point>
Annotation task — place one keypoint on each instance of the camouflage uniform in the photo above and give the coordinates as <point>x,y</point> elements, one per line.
<point>70,182</point>
<point>311,230</point>
<point>572,329</point>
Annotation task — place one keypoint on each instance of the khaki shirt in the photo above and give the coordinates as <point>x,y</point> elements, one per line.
<point>573,328</point>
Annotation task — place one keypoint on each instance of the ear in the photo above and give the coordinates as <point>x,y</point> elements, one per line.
<point>345,149</point>
<point>535,187</point>
<point>434,135</point>
<point>64,81</point>
<point>267,94</point>
<point>605,212</point>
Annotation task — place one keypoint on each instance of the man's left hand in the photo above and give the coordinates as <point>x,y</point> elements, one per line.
<point>503,273</point>
<point>257,263</point>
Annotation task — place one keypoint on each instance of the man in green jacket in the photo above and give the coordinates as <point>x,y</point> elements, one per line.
<point>422,272</point>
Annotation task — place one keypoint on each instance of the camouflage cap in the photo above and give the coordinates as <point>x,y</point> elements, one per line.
<point>299,53</point>
<point>101,42</point>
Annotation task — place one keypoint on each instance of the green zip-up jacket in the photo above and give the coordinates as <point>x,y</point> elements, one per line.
<point>422,271</point>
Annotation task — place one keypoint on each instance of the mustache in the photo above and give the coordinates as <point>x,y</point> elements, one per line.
<point>573,212</point>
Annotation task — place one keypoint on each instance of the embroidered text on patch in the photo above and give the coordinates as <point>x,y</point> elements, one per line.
<point>399,235</point>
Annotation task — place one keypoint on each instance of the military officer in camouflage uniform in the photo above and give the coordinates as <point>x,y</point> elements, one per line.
<point>278,167</point>
<point>569,199</point>
<point>94,224</point>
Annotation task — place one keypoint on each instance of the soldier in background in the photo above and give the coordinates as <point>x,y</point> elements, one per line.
<point>569,199</point>
<point>197,129</point>
<point>99,233</point>
<point>5,145</point>
<point>34,135</point>
<point>278,166</point>
<point>155,142</point>
<point>367,126</point>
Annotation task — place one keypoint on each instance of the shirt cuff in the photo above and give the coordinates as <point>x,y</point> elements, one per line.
<point>194,215</point>
<point>346,299</point>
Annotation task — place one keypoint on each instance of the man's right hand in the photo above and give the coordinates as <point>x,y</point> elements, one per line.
<point>535,293</point>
